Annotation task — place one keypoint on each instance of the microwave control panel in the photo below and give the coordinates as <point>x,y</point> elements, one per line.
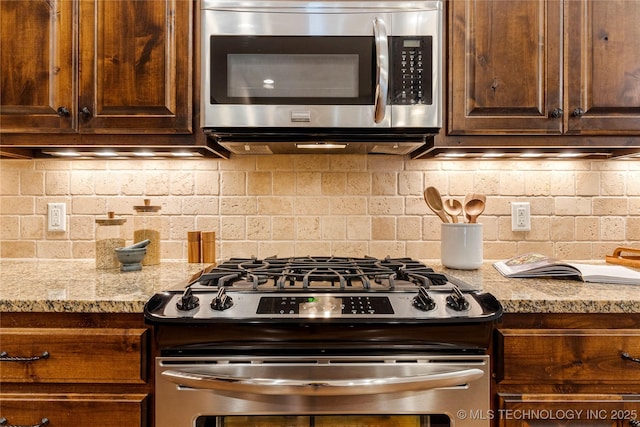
<point>411,70</point>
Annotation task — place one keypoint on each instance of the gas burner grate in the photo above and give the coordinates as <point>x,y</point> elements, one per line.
<point>321,272</point>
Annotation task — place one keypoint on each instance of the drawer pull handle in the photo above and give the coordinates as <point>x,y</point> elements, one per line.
<point>4,357</point>
<point>634,423</point>
<point>43,422</point>
<point>626,356</point>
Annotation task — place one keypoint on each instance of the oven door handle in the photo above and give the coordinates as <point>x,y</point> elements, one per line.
<point>382,69</point>
<point>321,387</point>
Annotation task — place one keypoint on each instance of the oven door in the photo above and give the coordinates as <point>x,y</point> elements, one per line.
<point>315,391</point>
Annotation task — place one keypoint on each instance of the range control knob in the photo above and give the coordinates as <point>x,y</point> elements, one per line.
<point>423,300</point>
<point>457,301</point>
<point>222,301</point>
<point>188,301</point>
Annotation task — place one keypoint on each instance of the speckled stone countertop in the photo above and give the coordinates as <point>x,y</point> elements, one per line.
<point>76,286</point>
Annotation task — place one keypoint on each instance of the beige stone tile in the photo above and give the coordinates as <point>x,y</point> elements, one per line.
<point>393,249</point>
<point>588,183</point>
<point>359,227</point>
<point>355,249</point>
<point>605,206</point>
<point>259,183</point>
<point>274,163</point>
<point>586,229</point>
<point>53,249</point>
<point>563,228</point>
<point>207,183</point>
<point>383,228</point>
<point>10,227</point>
<point>82,183</point>
<point>573,250</point>
<point>18,249</point>
<point>82,227</point>
<point>283,227</point>
<point>182,183</point>
<point>384,184</point>
<point>316,248</point>
<point>512,183</point>
<point>348,206</point>
<point>232,183</point>
<point>333,227</point>
<point>410,184</point>
<point>157,183</point>
<point>284,183</point>
<point>57,183</point>
<point>258,228</point>
<point>358,183</point>
<point>281,249</point>
<point>310,205</point>
<point>308,228</point>
<point>83,249</point>
<point>238,206</point>
<point>409,228</point>
<point>334,183</point>
<point>612,229</point>
<point>386,205</point>
<point>17,205</point>
<point>87,205</point>
<point>309,183</point>
<point>232,228</point>
<point>612,183</point>
<point>572,206</point>
<point>32,183</point>
<point>278,205</point>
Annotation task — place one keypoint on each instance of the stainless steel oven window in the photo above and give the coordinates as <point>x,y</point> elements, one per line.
<point>325,421</point>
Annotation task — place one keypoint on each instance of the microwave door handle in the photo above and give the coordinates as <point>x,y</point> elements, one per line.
<point>382,69</point>
<point>320,386</point>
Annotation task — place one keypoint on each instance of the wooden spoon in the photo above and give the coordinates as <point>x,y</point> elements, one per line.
<point>453,208</point>
<point>473,209</point>
<point>470,196</point>
<point>434,201</point>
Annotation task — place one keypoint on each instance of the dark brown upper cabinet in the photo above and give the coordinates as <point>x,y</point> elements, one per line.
<point>96,67</point>
<point>544,67</point>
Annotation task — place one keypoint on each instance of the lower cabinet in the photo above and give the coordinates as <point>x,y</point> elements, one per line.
<point>567,370</point>
<point>64,369</point>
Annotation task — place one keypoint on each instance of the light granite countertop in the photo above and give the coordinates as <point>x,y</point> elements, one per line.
<point>76,286</point>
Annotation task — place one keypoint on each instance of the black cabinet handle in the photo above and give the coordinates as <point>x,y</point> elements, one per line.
<point>626,356</point>
<point>4,357</point>
<point>557,113</point>
<point>634,423</point>
<point>85,112</point>
<point>578,112</point>
<point>63,111</point>
<point>43,422</point>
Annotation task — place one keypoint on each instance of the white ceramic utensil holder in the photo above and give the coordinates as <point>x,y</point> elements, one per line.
<point>461,245</point>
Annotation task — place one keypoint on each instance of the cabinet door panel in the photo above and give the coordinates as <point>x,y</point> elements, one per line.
<point>91,355</point>
<point>135,69</point>
<point>561,356</point>
<point>567,410</point>
<point>505,66</point>
<point>36,59</point>
<point>105,410</point>
<point>603,72</point>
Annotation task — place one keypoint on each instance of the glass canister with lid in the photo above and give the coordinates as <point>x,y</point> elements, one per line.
<point>109,237</point>
<point>147,224</point>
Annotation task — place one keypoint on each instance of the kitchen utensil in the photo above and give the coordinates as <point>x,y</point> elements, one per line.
<point>468,198</point>
<point>453,208</point>
<point>461,246</point>
<point>434,201</point>
<point>628,260</point>
<point>131,259</point>
<point>141,244</point>
<point>473,208</point>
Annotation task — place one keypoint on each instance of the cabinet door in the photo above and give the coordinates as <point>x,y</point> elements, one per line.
<point>505,69</point>
<point>567,410</point>
<point>104,410</point>
<point>135,66</point>
<point>603,67</point>
<point>36,59</point>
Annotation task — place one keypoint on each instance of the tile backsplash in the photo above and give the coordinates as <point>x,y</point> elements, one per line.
<point>351,205</point>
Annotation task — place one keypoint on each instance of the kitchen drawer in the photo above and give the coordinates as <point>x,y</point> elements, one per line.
<point>104,410</point>
<point>555,356</point>
<point>74,355</point>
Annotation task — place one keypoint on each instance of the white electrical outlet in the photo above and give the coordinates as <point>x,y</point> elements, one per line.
<point>520,216</point>
<point>57,217</point>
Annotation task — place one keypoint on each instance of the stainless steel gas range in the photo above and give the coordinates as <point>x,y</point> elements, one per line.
<point>322,341</point>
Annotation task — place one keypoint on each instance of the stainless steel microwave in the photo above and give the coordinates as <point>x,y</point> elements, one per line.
<point>341,76</point>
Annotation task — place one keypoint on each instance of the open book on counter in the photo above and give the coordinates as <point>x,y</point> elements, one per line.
<point>538,265</point>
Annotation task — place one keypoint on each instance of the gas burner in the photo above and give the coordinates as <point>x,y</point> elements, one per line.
<point>321,272</point>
